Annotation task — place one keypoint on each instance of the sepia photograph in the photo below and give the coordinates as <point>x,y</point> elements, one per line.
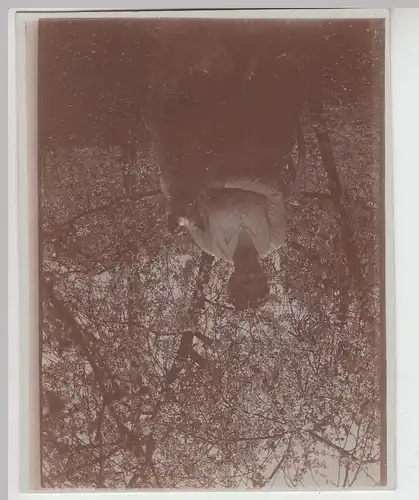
<point>212,278</point>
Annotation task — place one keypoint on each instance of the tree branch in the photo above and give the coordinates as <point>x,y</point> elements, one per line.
<point>185,349</point>
<point>280,463</point>
<point>103,208</point>
<point>132,442</point>
<point>340,450</point>
<point>326,152</point>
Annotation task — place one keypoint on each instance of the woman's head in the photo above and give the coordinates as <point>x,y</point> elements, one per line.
<point>248,285</point>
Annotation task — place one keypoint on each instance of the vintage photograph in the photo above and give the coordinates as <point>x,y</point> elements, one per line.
<point>211,253</point>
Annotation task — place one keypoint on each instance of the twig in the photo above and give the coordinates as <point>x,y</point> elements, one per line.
<point>103,208</point>
<point>326,152</point>
<point>280,463</point>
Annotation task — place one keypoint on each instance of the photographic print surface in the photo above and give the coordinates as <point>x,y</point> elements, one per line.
<point>211,221</point>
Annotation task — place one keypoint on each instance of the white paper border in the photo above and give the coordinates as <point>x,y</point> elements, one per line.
<point>405,75</point>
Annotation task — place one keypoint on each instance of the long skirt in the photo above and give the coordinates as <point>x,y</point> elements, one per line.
<point>238,118</point>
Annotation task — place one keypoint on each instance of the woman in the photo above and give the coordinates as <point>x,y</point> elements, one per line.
<point>223,136</point>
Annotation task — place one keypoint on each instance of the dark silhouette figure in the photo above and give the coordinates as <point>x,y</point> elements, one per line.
<point>223,134</point>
